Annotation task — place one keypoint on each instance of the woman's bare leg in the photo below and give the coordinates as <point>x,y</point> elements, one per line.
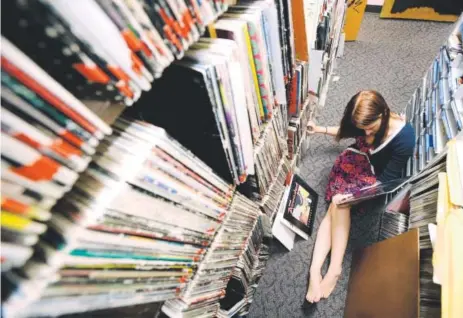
<point>340,226</point>
<point>321,250</point>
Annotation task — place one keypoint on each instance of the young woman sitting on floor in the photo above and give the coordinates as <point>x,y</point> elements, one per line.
<point>388,141</point>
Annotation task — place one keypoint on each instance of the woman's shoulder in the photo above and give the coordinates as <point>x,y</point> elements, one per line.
<point>405,139</point>
<point>407,133</point>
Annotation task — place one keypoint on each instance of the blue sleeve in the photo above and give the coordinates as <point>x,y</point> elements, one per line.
<point>401,152</point>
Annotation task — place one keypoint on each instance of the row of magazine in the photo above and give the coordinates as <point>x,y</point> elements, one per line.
<point>236,81</point>
<point>436,108</point>
<point>238,234</point>
<point>134,228</point>
<point>246,275</point>
<point>107,51</point>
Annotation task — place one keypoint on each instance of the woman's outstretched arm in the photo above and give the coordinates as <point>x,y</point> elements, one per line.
<point>327,130</point>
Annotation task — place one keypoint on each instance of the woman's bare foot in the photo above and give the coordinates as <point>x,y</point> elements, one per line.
<point>314,292</point>
<point>328,283</point>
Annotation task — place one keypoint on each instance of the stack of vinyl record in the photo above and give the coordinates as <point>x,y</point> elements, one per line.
<point>299,89</point>
<point>133,229</point>
<point>297,131</point>
<point>286,33</point>
<point>393,224</point>
<point>269,153</point>
<point>107,51</point>
<point>201,298</point>
<point>430,292</point>
<point>423,197</point>
<point>242,285</point>
<point>271,200</point>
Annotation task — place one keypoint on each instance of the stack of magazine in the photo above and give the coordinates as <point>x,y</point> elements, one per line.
<point>271,201</point>
<point>430,292</point>
<point>297,129</point>
<point>243,284</point>
<point>269,154</point>
<point>392,224</point>
<point>201,298</point>
<point>394,220</point>
<point>423,196</point>
<point>133,229</point>
<point>436,108</point>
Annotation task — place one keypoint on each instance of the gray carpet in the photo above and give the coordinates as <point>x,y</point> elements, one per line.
<point>389,56</point>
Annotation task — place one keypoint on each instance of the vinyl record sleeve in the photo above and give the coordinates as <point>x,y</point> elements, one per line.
<point>373,191</point>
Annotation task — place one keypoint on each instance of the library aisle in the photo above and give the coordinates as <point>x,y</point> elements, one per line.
<point>389,56</point>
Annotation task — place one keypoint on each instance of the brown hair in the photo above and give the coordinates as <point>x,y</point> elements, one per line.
<point>363,109</point>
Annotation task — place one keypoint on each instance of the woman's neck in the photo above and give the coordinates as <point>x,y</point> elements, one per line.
<point>395,123</point>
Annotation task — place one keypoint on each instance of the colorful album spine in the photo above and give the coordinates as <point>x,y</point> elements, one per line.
<point>183,25</point>
<point>26,195</point>
<point>293,97</point>
<point>260,60</point>
<point>90,63</point>
<point>14,206</point>
<point>254,73</point>
<point>190,173</point>
<point>93,76</point>
<point>47,96</point>
<point>18,96</point>
<point>159,185</point>
<point>168,16</point>
<point>149,41</point>
<point>29,163</point>
<point>21,224</point>
<point>92,25</point>
<point>158,137</point>
<point>225,135</point>
<point>176,44</point>
<point>153,38</point>
<point>242,116</point>
<point>275,46</point>
<point>153,179</point>
<point>176,173</point>
<point>49,145</point>
<point>14,62</point>
<point>224,81</point>
<point>115,10</point>
<point>166,211</point>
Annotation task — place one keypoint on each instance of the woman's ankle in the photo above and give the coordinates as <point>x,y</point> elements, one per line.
<point>334,271</point>
<point>315,271</point>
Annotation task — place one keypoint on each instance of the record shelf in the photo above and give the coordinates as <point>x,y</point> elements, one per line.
<point>79,180</point>
<point>426,212</point>
<point>103,101</point>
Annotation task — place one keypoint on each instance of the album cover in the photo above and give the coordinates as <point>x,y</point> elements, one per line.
<point>300,208</point>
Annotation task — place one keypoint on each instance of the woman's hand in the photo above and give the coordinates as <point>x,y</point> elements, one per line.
<point>312,128</point>
<point>338,198</point>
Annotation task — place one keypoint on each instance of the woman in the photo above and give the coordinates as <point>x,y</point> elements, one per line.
<point>388,142</point>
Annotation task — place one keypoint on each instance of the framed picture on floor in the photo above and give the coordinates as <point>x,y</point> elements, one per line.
<point>301,207</point>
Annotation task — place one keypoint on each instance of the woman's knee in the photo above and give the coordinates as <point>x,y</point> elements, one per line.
<point>335,209</point>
